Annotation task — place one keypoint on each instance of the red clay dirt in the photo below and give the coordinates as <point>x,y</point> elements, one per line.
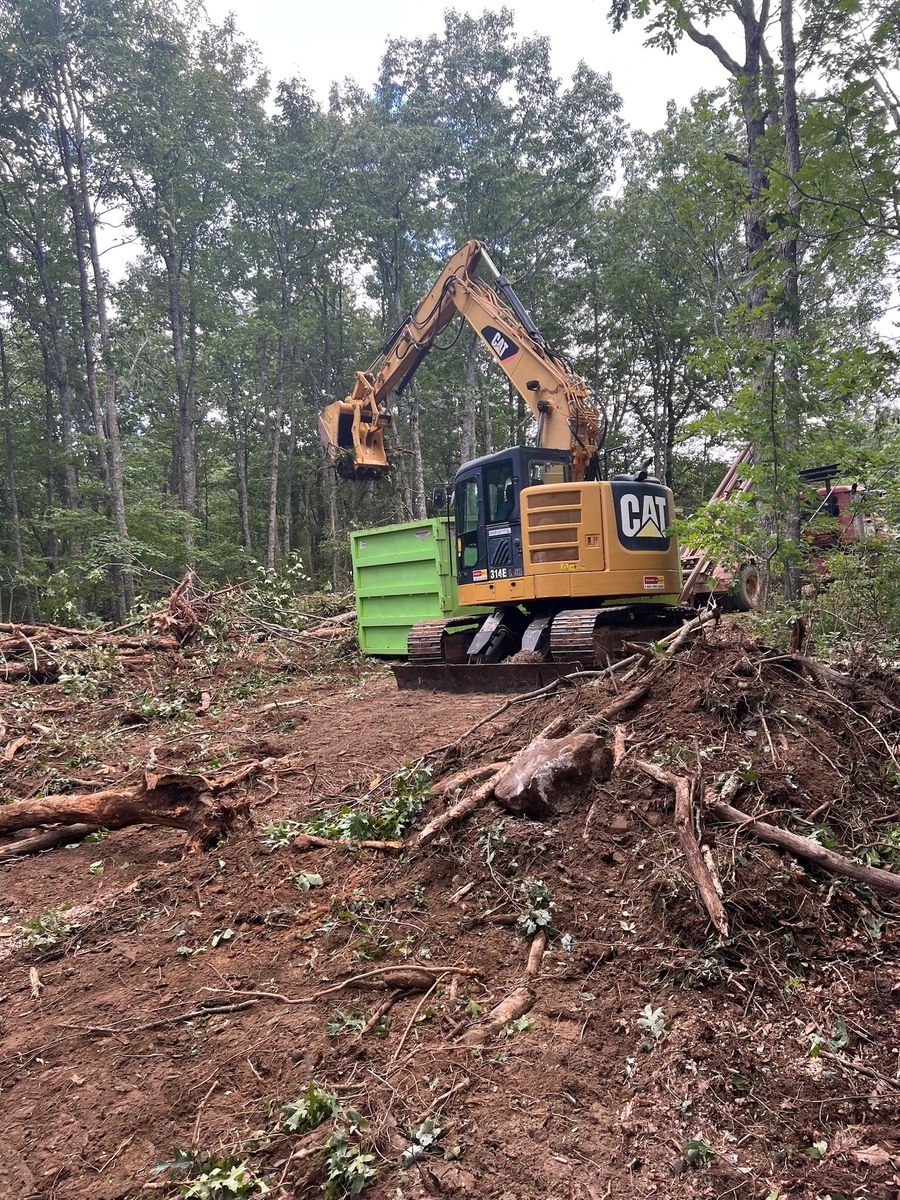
<point>656,1060</point>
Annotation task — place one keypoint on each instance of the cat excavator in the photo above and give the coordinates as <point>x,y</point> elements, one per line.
<point>567,564</point>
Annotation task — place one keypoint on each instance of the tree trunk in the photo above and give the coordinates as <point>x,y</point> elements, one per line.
<point>65,140</point>
<point>331,500</point>
<point>487,422</point>
<point>111,407</point>
<point>243,490</point>
<point>186,440</point>
<point>790,304</point>
<point>275,454</point>
<point>420,512</point>
<point>12,499</point>
<point>49,474</point>
<point>287,518</point>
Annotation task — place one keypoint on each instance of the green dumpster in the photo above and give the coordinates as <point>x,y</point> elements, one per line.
<point>402,574</point>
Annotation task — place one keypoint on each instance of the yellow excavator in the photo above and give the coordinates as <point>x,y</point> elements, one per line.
<point>569,564</point>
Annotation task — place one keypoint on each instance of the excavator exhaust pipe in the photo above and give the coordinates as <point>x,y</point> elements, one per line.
<point>353,439</point>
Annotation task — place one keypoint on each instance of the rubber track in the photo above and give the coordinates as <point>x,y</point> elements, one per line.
<point>425,641</point>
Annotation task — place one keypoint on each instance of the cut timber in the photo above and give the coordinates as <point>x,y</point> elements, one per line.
<point>515,1005</point>
<point>801,847</point>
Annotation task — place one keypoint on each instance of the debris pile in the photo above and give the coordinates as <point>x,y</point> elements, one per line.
<point>638,922</point>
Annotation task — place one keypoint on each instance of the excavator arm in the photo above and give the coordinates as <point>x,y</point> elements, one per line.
<point>352,430</point>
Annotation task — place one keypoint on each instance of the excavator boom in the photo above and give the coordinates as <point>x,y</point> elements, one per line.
<point>352,430</point>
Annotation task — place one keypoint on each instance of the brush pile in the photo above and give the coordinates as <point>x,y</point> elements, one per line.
<point>639,924</point>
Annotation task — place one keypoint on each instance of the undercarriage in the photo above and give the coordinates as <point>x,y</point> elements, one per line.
<point>512,648</point>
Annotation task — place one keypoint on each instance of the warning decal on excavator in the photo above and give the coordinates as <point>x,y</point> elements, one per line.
<point>642,514</point>
<point>501,345</point>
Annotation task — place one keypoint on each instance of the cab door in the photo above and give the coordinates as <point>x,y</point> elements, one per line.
<point>502,519</point>
<point>471,543</point>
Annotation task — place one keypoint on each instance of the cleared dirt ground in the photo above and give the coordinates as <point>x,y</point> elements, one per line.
<point>656,1062</point>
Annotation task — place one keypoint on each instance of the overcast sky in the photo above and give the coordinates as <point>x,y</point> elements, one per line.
<point>326,40</point>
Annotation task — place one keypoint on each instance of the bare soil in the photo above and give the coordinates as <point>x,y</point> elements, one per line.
<point>763,1067</point>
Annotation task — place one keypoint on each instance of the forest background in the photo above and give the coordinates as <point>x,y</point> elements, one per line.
<point>729,278</point>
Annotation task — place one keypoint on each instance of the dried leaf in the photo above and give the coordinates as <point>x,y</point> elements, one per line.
<point>36,985</point>
<point>873,1156</point>
<point>14,747</point>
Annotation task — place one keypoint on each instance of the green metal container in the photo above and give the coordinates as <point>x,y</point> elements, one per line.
<point>402,574</point>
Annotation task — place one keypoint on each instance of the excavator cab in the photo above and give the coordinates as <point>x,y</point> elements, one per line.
<point>486,496</point>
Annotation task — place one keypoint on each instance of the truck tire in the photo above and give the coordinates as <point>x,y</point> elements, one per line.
<point>746,589</point>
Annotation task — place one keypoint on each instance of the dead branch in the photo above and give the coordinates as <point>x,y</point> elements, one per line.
<point>62,835</point>
<point>802,847</point>
<point>407,979</point>
<point>456,813</point>
<point>412,1020</point>
<point>684,827</point>
<point>463,778</point>
<point>305,841</point>
<point>381,1011</point>
<point>162,1022</point>
<point>598,721</point>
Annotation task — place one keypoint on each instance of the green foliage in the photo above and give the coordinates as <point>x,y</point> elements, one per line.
<point>304,881</point>
<point>537,910</point>
<point>345,1022</point>
<point>46,929</point>
<point>165,710</point>
<point>278,834</point>
<point>422,1140</point>
<point>311,1108</point>
<point>654,1021</point>
<point>391,821</point>
<point>347,1169</point>
<point>211,1176</point>
<point>698,1154</point>
<point>858,603</point>
<point>91,673</point>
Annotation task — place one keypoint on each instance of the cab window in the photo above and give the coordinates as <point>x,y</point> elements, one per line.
<point>543,471</point>
<point>467,521</point>
<point>500,489</point>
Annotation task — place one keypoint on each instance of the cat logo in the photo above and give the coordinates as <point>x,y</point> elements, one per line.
<point>501,345</point>
<point>642,515</point>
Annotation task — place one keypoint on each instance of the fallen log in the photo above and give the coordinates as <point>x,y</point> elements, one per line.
<point>174,801</point>
<point>802,847</point>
